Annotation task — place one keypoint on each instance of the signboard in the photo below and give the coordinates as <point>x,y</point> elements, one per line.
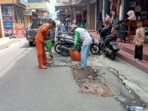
<point>7,18</point>
<point>7,24</point>
<point>19,30</point>
<point>28,12</point>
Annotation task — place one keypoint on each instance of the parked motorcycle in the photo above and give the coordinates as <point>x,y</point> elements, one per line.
<point>65,42</point>
<point>109,46</point>
<point>107,43</point>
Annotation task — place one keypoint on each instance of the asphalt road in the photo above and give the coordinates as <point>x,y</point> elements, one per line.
<point>23,87</point>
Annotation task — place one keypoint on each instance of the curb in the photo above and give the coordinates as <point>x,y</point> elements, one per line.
<point>8,44</point>
<point>137,90</point>
<point>132,87</point>
<point>128,59</point>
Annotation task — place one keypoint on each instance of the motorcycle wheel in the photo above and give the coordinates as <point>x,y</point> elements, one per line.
<point>94,49</point>
<point>65,53</point>
<point>57,48</point>
<point>113,55</point>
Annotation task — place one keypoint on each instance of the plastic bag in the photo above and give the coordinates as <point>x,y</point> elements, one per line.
<point>135,108</point>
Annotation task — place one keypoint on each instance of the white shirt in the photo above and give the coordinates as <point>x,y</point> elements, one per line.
<point>84,36</point>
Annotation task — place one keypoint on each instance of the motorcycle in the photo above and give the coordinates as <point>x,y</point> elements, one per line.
<point>107,43</point>
<point>65,42</point>
<point>109,46</point>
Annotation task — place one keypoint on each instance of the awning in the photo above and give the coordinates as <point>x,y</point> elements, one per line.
<point>35,5</point>
<point>86,1</point>
<point>76,4</point>
<point>66,6</point>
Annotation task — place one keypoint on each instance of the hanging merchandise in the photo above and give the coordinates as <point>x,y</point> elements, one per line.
<point>131,15</point>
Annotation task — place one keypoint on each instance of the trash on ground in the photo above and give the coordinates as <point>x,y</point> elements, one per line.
<point>135,108</point>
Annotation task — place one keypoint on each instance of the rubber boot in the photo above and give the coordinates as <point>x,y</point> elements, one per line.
<point>40,61</point>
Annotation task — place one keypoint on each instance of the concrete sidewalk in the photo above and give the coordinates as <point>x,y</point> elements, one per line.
<point>134,79</point>
<point>4,40</point>
<point>7,42</point>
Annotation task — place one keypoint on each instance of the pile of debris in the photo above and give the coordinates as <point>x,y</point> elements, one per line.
<point>89,82</point>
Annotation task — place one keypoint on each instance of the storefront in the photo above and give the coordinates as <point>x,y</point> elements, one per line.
<point>141,12</point>
<point>140,8</point>
<point>119,8</point>
<point>13,20</point>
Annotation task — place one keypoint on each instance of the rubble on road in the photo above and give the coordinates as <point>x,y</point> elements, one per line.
<point>100,79</point>
<point>61,61</point>
<point>89,83</point>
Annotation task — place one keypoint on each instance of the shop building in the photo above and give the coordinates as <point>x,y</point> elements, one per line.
<point>79,11</point>
<point>36,9</point>
<point>13,18</point>
<point>120,9</point>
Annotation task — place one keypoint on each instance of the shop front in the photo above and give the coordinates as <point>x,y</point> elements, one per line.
<point>141,12</point>
<point>139,7</point>
<point>13,19</point>
<point>119,8</point>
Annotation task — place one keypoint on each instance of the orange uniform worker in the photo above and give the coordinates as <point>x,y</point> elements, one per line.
<point>41,36</point>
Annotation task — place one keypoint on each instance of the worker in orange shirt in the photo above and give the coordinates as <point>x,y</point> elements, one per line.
<point>41,36</point>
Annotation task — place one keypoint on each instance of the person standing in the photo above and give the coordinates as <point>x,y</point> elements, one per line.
<point>63,28</point>
<point>82,34</point>
<point>139,41</point>
<point>41,36</point>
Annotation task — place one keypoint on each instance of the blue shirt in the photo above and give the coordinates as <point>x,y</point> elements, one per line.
<point>63,29</point>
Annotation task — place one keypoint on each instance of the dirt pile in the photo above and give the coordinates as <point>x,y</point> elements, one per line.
<point>89,83</point>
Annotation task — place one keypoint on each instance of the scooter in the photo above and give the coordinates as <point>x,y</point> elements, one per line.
<point>107,43</point>
<point>109,46</point>
<point>65,43</point>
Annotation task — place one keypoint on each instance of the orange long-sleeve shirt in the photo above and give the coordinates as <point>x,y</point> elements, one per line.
<point>43,29</point>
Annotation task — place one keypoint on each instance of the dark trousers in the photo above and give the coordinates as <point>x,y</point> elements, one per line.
<point>138,52</point>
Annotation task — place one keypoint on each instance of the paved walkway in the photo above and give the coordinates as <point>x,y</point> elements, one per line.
<point>132,46</point>
<point>4,40</point>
